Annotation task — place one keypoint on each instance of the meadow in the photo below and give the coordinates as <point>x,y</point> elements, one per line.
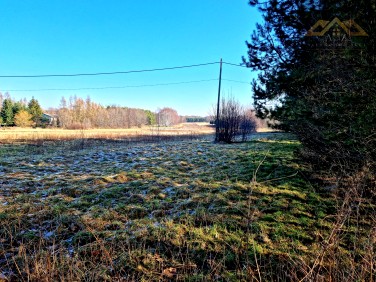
<point>142,133</point>
<point>191,210</point>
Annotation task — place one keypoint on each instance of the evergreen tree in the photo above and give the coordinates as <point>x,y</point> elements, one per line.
<point>7,112</point>
<point>150,116</point>
<point>1,100</point>
<point>323,89</point>
<point>35,110</point>
<point>18,106</point>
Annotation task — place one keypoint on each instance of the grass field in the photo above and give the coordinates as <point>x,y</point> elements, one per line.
<point>180,211</point>
<point>17,134</point>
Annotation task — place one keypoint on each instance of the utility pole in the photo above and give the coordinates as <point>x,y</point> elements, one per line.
<point>219,98</point>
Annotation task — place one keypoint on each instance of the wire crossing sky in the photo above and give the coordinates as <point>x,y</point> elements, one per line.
<point>114,51</point>
<point>104,73</point>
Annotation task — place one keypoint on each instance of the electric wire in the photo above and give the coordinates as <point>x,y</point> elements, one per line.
<point>119,72</point>
<point>237,81</point>
<point>235,65</point>
<point>123,86</point>
<point>110,87</point>
<point>107,73</point>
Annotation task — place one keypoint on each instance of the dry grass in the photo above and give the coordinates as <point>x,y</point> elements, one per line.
<point>180,211</point>
<point>9,135</point>
<point>16,134</point>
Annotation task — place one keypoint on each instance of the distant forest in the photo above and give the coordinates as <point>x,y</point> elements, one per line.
<point>78,113</point>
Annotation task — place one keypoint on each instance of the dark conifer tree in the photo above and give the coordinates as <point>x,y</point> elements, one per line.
<point>35,110</point>
<point>7,113</point>
<point>322,88</point>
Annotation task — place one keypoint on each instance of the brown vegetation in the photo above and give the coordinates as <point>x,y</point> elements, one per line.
<point>23,119</point>
<point>85,114</point>
<point>10,135</point>
<point>233,121</point>
<point>180,211</point>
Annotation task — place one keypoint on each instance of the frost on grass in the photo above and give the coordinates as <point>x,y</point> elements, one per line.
<point>143,210</point>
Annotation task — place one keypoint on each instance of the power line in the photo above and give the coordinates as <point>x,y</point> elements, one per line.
<point>237,81</point>
<point>118,72</point>
<point>235,65</point>
<point>110,87</point>
<point>106,73</point>
<point>114,73</point>
<point>123,86</point>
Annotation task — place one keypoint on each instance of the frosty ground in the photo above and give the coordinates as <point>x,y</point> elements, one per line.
<point>187,210</point>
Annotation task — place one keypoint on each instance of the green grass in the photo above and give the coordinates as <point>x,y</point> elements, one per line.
<point>189,211</point>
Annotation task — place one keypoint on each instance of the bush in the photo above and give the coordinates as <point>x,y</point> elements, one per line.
<point>23,119</point>
<point>234,121</point>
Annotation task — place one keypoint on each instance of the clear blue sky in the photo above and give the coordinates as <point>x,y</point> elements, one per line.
<point>88,36</point>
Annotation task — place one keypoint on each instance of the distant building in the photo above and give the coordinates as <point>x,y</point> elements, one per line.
<point>49,119</point>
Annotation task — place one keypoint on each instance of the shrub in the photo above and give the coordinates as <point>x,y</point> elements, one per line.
<point>23,119</point>
<point>234,121</point>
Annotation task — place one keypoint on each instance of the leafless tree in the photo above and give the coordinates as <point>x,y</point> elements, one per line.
<point>234,121</point>
<point>167,117</point>
<point>80,113</point>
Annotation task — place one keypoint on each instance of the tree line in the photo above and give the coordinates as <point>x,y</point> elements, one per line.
<point>79,113</point>
<point>20,113</point>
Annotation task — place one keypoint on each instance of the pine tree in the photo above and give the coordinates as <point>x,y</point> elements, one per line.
<point>19,106</point>
<point>323,89</point>
<point>7,112</point>
<point>35,110</point>
<point>150,116</point>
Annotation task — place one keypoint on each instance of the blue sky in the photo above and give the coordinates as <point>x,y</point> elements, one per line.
<point>71,36</point>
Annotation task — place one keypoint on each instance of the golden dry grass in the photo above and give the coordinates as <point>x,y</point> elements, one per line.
<point>17,134</point>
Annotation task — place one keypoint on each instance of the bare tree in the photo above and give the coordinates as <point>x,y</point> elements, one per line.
<point>167,117</point>
<point>80,113</point>
<point>248,124</point>
<point>234,121</point>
